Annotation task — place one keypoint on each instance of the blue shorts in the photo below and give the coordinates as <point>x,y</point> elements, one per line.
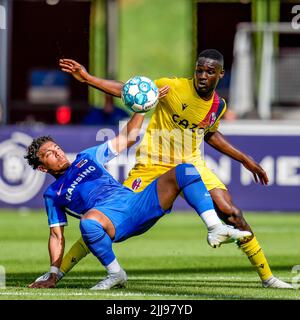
<point>134,213</point>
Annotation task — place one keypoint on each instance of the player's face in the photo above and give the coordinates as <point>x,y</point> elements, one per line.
<point>53,158</point>
<point>208,72</point>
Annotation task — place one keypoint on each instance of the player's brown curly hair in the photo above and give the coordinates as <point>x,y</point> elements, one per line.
<point>33,148</point>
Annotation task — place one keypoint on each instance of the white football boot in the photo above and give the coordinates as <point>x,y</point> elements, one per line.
<point>274,282</point>
<point>113,280</point>
<point>223,233</point>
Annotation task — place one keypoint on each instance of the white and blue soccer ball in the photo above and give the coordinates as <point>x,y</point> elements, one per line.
<point>140,94</point>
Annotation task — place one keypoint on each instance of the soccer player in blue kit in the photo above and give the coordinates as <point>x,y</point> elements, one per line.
<point>108,211</point>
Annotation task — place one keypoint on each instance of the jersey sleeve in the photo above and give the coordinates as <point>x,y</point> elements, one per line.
<point>163,82</point>
<point>220,112</point>
<point>56,217</point>
<point>103,153</point>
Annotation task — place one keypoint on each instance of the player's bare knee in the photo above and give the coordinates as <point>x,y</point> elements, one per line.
<point>169,181</point>
<point>173,180</point>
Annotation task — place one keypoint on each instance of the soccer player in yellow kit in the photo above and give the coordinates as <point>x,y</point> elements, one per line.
<point>189,113</point>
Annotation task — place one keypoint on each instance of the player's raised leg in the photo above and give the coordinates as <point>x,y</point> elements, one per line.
<point>97,231</point>
<point>185,178</point>
<point>231,215</point>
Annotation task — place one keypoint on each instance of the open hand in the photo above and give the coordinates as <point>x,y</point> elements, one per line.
<point>163,91</point>
<point>44,284</point>
<point>258,172</point>
<point>74,68</point>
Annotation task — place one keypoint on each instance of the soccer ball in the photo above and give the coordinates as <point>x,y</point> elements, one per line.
<point>140,94</point>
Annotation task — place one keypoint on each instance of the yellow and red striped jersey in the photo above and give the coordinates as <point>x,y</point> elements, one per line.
<point>179,123</point>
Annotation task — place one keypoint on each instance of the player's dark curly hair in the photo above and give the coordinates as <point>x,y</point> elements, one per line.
<point>212,54</point>
<point>33,148</point>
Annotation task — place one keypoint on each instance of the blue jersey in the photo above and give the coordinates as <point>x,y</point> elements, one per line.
<point>85,185</point>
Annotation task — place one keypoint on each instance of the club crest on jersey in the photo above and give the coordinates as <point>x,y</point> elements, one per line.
<point>81,163</point>
<point>136,184</point>
<point>212,119</point>
<point>208,122</point>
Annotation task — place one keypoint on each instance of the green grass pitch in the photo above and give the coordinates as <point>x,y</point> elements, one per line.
<point>171,261</point>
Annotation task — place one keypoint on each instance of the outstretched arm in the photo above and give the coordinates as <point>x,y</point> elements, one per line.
<point>111,87</point>
<point>218,142</point>
<point>128,135</point>
<point>79,72</point>
<point>56,246</point>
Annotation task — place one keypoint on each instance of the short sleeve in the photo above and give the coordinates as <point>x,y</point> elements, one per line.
<point>103,153</point>
<point>215,127</point>
<point>162,82</point>
<point>221,110</point>
<point>56,217</point>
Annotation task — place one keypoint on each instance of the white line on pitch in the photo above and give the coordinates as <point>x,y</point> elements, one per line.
<point>134,294</point>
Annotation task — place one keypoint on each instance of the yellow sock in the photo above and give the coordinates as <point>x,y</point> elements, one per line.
<point>255,254</point>
<point>78,251</point>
